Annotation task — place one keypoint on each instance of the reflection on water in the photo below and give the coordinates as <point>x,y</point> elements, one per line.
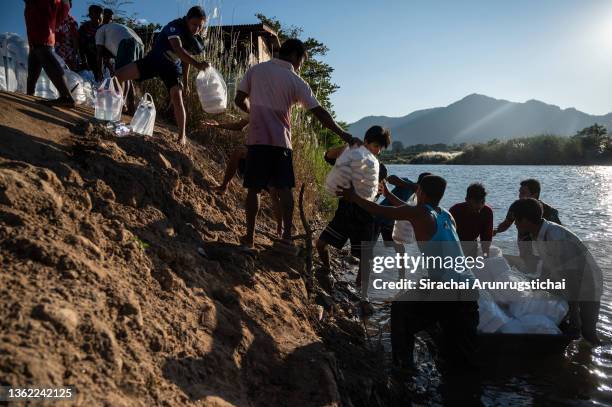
<point>583,196</point>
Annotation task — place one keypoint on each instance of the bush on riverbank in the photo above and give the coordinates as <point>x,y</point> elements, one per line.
<point>591,145</point>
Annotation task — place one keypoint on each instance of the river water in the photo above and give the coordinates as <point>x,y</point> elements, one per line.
<point>583,197</point>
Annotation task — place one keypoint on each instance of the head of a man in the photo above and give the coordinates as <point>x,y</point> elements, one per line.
<point>530,188</point>
<point>376,139</point>
<point>293,51</point>
<point>95,14</point>
<point>196,20</point>
<point>107,16</point>
<point>423,175</point>
<point>431,190</point>
<point>475,197</point>
<point>527,214</point>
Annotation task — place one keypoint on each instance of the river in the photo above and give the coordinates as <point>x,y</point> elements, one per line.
<point>583,196</point>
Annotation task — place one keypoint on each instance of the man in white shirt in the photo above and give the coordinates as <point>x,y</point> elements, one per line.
<point>563,256</point>
<point>123,44</point>
<point>267,93</point>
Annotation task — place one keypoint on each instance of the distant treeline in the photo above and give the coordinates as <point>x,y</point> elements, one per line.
<point>591,145</point>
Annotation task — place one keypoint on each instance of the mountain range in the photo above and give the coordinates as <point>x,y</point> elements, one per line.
<point>479,118</point>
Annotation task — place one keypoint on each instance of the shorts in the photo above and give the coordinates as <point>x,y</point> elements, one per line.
<point>129,50</point>
<point>152,66</point>
<point>269,166</point>
<point>351,223</point>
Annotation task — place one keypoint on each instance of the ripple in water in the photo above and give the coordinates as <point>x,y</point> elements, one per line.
<point>583,196</point>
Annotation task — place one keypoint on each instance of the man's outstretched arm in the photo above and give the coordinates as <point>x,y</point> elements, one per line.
<point>328,122</point>
<point>398,182</point>
<point>502,227</point>
<point>404,212</point>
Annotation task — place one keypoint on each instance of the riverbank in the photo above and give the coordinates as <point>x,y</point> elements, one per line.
<point>122,276</point>
<point>590,146</point>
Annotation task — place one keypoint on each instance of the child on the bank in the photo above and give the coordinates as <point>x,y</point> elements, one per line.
<point>87,37</point>
<point>173,53</point>
<point>350,222</point>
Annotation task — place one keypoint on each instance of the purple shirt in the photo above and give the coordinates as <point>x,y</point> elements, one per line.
<point>273,87</point>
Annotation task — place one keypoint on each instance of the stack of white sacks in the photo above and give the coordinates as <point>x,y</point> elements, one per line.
<point>512,311</point>
<point>356,166</point>
<point>14,52</point>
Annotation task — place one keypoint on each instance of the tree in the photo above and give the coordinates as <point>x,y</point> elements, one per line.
<point>594,139</point>
<point>119,14</point>
<point>397,146</point>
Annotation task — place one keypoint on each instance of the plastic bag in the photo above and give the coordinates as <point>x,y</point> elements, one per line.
<point>492,317</point>
<point>531,324</point>
<point>540,303</point>
<point>75,83</point>
<point>109,100</point>
<point>212,91</point>
<point>403,231</point>
<point>357,166</point>
<point>13,63</point>
<point>45,88</point>
<point>340,174</point>
<point>143,121</point>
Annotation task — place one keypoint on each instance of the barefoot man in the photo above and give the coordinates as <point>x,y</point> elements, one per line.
<point>170,59</point>
<point>267,92</point>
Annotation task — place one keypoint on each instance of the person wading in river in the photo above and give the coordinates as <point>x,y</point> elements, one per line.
<point>474,219</point>
<point>436,236</point>
<point>562,255</point>
<point>529,188</point>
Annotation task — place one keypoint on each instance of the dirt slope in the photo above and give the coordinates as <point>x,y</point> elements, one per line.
<point>102,286</point>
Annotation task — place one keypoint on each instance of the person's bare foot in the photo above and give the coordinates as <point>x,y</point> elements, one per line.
<point>183,141</point>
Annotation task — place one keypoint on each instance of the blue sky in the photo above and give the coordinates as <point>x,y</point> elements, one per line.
<point>394,57</point>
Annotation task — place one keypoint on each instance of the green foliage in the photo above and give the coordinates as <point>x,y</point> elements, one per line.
<point>397,146</point>
<point>590,145</point>
<point>117,7</point>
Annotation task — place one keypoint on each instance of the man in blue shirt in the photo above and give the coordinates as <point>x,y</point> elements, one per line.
<point>169,60</point>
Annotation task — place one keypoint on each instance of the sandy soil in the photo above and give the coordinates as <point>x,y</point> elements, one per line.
<point>102,286</point>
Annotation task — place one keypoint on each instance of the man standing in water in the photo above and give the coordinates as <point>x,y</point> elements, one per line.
<point>436,236</point>
<point>564,256</point>
<point>529,188</point>
<point>474,219</point>
<point>267,93</point>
